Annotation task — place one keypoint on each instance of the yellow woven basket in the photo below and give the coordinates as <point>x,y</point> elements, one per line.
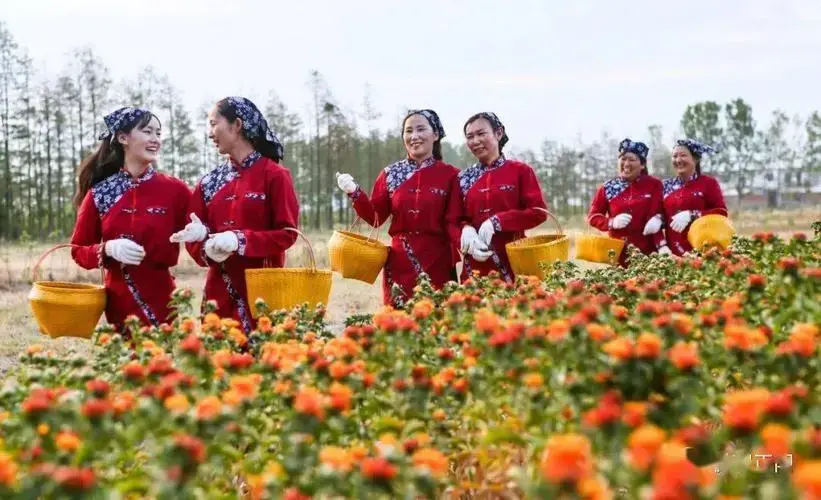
<point>527,254</point>
<point>355,256</point>
<point>596,248</point>
<point>286,288</point>
<point>711,230</point>
<point>64,309</point>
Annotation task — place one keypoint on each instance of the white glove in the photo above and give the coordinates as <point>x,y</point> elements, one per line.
<point>214,253</point>
<point>193,231</point>
<point>486,231</point>
<point>681,220</point>
<point>225,241</point>
<point>653,225</point>
<point>125,251</point>
<point>665,250</point>
<point>620,221</point>
<point>480,254</point>
<point>470,240</point>
<point>346,183</point>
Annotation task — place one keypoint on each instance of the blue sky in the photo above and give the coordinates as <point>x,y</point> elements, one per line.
<point>550,69</point>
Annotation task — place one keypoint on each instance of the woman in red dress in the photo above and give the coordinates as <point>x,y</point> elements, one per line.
<point>243,210</point>
<point>501,197</point>
<point>127,211</point>
<point>629,207</point>
<point>421,195</point>
<point>689,194</point>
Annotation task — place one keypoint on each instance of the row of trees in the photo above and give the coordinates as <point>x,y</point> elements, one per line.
<point>49,122</point>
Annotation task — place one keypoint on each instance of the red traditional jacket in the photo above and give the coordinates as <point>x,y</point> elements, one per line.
<point>146,210</point>
<point>423,203</point>
<point>508,193</point>
<point>256,200</point>
<point>640,198</point>
<point>700,193</point>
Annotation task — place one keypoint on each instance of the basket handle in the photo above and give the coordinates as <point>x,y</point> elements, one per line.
<point>357,219</point>
<point>553,217</point>
<point>35,271</point>
<point>310,247</point>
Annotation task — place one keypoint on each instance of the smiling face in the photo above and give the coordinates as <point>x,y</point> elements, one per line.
<point>224,134</point>
<point>482,140</point>
<point>419,137</point>
<point>684,163</point>
<point>629,166</point>
<point>142,143</point>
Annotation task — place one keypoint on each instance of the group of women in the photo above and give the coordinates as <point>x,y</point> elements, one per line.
<point>242,214</point>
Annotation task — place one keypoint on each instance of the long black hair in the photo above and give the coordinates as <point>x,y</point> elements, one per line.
<point>105,161</point>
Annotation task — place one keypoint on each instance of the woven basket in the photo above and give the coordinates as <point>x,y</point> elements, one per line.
<point>596,248</point>
<point>64,309</point>
<point>286,288</point>
<point>710,230</point>
<point>355,256</point>
<point>526,255</point>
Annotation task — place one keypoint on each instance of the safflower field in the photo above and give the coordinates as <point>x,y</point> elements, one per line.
<point>673,379</point>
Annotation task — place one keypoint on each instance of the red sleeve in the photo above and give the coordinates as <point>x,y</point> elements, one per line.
<point>197,206</point>
<point>285,214</point>
<point>88,233</point>
<point>454,217</point>
<point>597,216</point>
<point>161,251</point>
<point>377,208</point>
<point>714,199</point>
<point>530,197</point>
<point>657,204</point>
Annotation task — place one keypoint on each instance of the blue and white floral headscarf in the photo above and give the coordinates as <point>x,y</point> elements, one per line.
<point>254,123</point>
<point>495,124</point>
<point>640,149</point>
<point>121,119</point>
<point>432,118</point>
<point>696,147</point>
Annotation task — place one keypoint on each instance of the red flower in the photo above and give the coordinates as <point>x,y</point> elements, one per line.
<point>96,408</point>
<point>378,469</point>
<point>191,344</point>
<point>98,388</point>
<point>133,371</point>
<point>192,446</point>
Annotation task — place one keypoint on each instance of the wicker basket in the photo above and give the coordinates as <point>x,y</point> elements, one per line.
<point>355,256</point>
<point>285,288</point>
<point>64,309</point>
<point>526,255</point>
<point>596,248</point>
<point>711,230</point>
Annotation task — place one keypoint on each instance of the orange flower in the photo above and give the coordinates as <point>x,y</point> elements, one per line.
<point>309,401</point>
<point>533,380</point>
<point>807,478</point>
<point>486,321</point>
<point>341,396</point>
<point>439,414</point>
<point>336,458</point>
<point>558,329</point>
<point>567,458</point>
<point>433,461</point>
<point>67,441</point>
<point>124,401</point>
<point>643,445</point>
<point>339,370</point>
<point>593,488</point>
<point>208,408</point>
<point>684,355</point>
<point>619,312</point>
<point>635,413</point>
<point>177,403</point>
<point>600,333</point>
<point>237,336</point>
<point>674,476</point>
<point>801,341</point>
<point>620,348</point>
<point>648,346</point>
<point>36,348</point>
<point>743,409</point>
<point>341,348</point>
<point>739,336</point>
<point>211,321</point>
<point>777,440</point>
<point>264,324</point>
<point>422,309</point>
<point>8,470</point>
<point>187,325</point>
<point>682,323</point>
